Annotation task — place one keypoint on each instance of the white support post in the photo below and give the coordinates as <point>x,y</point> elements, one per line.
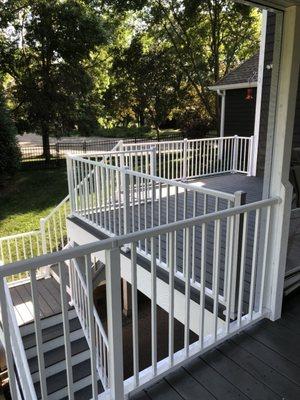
<point>126,199</point>
<point>278,160</point>
<point>71,185</point>
<point>185,159</point>
<point>250,157</point>
<point>260,77</point>
<point>235,153</point>
<point>114,322</point>
<point>222,93</point>
<point>153,167</point>
<point>44,271</point>
<point>240,199</point>
<point>153,161</point>
<point>121,146</point>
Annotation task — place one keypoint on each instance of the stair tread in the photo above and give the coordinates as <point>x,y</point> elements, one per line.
<point>86,392</point>
<point>57,355</point>
<point>59,381</point>
<point>50,333</point>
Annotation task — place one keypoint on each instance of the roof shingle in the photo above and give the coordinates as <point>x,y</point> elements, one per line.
<point>244,73</point>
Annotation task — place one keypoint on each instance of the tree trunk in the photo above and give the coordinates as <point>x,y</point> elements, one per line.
<point>46,143</point>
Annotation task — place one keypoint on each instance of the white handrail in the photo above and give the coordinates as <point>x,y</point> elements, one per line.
<point>120,241</point>
<point>79,295</point>
<point>19,354</point>
<point>219,328</point>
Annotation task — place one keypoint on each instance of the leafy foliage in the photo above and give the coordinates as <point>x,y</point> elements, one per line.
<point>78,65</point>
<point>9,149</point>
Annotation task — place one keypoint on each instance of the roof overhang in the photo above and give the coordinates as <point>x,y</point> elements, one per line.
<point>233,86</point>
<point>270,5</point>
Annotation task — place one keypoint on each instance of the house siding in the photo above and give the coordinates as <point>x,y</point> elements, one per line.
<point>239,113</point>
<point>271,22</point>
<point>266,98</point>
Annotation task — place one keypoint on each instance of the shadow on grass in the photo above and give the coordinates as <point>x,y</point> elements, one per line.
<point>31,192</point>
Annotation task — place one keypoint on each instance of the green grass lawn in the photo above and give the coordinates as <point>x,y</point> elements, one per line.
<point>30,195</point>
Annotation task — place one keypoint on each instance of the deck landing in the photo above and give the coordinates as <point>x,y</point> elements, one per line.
<point>263,362</point>
<point>48,296</point>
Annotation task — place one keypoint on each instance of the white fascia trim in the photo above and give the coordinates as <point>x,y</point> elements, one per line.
<point>232,86</point>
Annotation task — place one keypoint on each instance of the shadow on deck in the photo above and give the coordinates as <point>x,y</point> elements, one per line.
<point>263,362</point>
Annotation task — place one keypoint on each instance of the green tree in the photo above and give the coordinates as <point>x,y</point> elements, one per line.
<point>45,54</point>
<point>209,37</point>
<point>10,153</point>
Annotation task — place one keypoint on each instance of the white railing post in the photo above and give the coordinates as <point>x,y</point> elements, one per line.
<point>45,271</point>
<point>121,146</point>
<point>114,323</point>
<point>185,159</point>
<point>153,167</point>
<point>153,161</point>
<point>250,156</point>
<point>240,199</point>
<point>71,185</point>
<point>126,198</point>
<point>235,153</point>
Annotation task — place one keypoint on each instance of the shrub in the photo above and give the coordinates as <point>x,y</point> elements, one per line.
<point>9,149</point>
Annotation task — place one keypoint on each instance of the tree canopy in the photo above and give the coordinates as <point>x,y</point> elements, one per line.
<point>75,65</point>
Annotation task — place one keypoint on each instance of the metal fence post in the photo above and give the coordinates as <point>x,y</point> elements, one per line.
<point>240,199</point>
<point>114,323</point>
<point>185,159</point>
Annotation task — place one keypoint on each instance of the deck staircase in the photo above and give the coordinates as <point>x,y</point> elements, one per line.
<point>54,356</point>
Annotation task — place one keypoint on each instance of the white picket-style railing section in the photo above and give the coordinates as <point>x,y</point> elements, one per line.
<point>52,236</point>
<point>194,158</point>
<point>82,297</point>
<point>120,200</point>
<point>53,227</point>
<point>245,264</point>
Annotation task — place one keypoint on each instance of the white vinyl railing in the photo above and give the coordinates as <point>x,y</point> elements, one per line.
<point>82,298</point>
<point>195,158</point>
<point>52,236</point>
<point>244,264</point>
<point>20,379</point>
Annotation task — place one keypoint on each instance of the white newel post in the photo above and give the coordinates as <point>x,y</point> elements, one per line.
<point>240,199</point>
<point>45,271</point>
<point>278,155</point>
<point>153,167</point>
<point>126,199</point>
<point>185,159</point>
<point>235,153</point>
<point>114,322</point>
<point>250,156</point>
<point>71,185</point>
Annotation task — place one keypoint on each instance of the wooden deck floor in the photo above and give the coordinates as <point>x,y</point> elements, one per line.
<point>48,296</point>
<point>262,363</point>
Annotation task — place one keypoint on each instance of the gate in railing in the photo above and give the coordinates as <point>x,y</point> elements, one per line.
<point>241,307</point>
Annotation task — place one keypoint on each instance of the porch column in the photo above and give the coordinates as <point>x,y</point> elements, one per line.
<point>260,78</point>
<point>281,125</point>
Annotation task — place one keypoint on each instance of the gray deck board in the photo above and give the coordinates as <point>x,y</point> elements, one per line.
<point>260,363</point>
<point>48,296</point>
<point>229,183</point>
